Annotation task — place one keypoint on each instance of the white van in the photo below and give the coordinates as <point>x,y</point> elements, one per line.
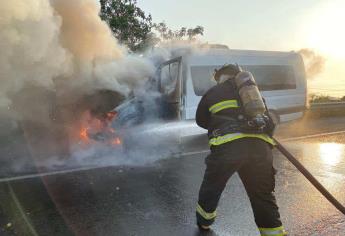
<point>183,80</point>
<point>279,75</point>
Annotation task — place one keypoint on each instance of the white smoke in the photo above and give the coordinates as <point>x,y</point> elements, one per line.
<point>314,62</point>
<point>53,54</point>
<point>45,43</point>
<point>30,48</point>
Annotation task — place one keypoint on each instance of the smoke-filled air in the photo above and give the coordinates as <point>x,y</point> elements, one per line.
<point>314,63</point>
<point>59,59</point>
<point>62,43</point>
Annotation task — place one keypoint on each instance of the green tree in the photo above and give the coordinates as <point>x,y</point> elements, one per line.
<point>165,33</point>
<point>319,98</point>
<point>130,24</point>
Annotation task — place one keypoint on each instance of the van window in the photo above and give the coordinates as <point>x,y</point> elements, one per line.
<point>268,77</point>
<point>273,77</point>
<point>170,89</point>
<point>202,78</point>
<point>169,77</point>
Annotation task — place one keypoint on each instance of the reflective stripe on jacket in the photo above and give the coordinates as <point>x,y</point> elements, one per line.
<point>233,136</point>
<point>224,100</point>
<point>233,103</point>
<point>278,231</point>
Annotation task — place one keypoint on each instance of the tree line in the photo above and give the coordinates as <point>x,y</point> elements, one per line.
<point>135,28</point>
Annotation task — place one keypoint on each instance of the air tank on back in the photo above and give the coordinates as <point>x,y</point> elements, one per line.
<point>252,102</point>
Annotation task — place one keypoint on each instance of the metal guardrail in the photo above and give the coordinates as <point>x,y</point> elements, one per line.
<point>327,105</point>
<point>329,109</point>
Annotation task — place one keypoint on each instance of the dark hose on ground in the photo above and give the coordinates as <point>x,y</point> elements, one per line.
<point>310,177</point>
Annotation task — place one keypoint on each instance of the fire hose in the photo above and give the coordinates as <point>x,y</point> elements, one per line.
<point>310,177</point>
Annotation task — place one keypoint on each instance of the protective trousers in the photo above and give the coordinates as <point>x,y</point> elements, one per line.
<point>252,159</point>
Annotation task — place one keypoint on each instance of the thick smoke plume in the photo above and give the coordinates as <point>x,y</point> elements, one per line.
<point>59,61</point>
<point>64,45</point>
<point>314,63</point>
<point>57,58</point>
<point>31,52</point>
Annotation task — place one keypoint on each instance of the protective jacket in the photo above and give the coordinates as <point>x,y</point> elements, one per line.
<point>221,107</point>
<point>236,148</point>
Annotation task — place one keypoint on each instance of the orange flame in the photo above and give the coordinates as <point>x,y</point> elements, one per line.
<point>110,115</point>
<point>92,125</point>
<point>83,134</point>
<point>117,141</point>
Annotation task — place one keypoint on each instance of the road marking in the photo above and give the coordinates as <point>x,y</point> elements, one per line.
<point>193,153</point>
<point>313,136</point>
<point>43,174</point>
<point>21,211</point>
<point>30,176</point>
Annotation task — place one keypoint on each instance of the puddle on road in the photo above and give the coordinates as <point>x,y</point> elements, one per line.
<point>331,153</point>
<point>325,160</point>
<point>327,153</point>
<point>320,155</point>
<point>335,138</point>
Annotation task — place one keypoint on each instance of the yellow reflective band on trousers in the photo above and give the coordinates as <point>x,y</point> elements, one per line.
<point>278,231</point>
<point>233,136</point>
<point>204,214</point>
<point>223,105</point>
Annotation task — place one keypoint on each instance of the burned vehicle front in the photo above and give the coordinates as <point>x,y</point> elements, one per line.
<point>152,121</point>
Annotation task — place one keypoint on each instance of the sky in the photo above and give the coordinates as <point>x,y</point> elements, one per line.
<point>281,25</point>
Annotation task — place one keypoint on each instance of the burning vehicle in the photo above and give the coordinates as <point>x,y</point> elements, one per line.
<point>70,83</point>
<point>159,116</point>
<point>163,116</point>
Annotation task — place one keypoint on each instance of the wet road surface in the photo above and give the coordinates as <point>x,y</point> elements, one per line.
<point>160,198</point>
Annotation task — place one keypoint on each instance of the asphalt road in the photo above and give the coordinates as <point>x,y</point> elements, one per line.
<point>160,198</point>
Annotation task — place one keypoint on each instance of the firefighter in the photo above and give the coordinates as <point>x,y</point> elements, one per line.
<point>238,143</point>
